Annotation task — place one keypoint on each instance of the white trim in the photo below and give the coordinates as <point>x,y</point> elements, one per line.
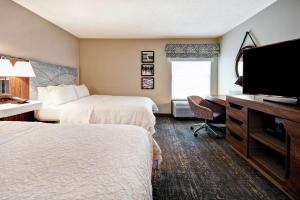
<point>191,59</point>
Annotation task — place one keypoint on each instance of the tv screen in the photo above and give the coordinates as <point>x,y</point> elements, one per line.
<point>273,69</point>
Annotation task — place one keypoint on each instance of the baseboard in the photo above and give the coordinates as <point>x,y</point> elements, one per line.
<point>171,115</point>
<point>163,114</point>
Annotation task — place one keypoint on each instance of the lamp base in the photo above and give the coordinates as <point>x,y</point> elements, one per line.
<point>4,86</point>
<point>6,98</point>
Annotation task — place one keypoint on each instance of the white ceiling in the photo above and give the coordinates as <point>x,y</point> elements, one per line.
<point>146,18</point>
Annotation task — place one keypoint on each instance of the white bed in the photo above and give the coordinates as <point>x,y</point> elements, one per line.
<point>96,109</point>
<point>48,113</point>
<point>62,162</point>
<point>72,104</point>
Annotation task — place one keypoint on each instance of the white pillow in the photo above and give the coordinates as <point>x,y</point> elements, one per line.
<point>56,95</point>
<point>81,91</point>
<point>61,95</point>
<point>43,95</point>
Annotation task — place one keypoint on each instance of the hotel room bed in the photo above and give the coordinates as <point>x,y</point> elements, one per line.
<point>72,104</point>
<point>62,161</point>
<point>66,108</point>
<point>103,109</point>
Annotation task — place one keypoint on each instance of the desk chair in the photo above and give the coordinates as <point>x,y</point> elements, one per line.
<point>208,111</point>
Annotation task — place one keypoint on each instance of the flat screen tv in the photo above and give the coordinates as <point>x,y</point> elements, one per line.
<point>273,69</point>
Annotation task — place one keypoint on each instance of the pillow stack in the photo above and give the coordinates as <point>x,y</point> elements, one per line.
<point>57,95</point>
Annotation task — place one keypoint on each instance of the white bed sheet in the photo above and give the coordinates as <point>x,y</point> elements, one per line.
<point>48,113</point>
<point>97,109</point>
<point>105,109</point>
<point>63,162</point>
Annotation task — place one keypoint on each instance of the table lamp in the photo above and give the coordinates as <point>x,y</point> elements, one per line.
<point>23,69</point>
<point>14,68</point>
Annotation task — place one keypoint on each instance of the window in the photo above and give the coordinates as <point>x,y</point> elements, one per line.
<point>190,78</point>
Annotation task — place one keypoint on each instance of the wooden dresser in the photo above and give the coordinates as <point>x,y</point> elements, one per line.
<point>268,136</point>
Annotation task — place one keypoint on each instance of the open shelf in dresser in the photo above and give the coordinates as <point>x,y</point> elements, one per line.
<point>268,143</point>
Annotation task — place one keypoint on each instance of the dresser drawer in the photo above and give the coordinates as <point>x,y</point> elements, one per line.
<point>239,129</point>
<point>237,142</point>
<point>236,111</point>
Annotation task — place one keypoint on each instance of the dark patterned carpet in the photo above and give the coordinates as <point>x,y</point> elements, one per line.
<point>204,168</point>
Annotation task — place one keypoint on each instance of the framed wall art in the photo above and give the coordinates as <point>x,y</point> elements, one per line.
<point>147,56</point>
<point>147,69</point>
<point>147,83</point>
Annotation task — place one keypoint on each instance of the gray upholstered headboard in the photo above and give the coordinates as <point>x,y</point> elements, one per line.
<point>49,74</point>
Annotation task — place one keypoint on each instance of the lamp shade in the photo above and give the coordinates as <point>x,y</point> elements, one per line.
<point>23,69</point>
<point>6,69</point>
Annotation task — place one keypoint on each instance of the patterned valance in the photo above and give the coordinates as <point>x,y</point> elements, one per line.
<point>192,50</point>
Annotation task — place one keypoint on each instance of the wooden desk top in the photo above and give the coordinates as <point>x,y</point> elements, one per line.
<point>257,102</point>
<point>218,99</point>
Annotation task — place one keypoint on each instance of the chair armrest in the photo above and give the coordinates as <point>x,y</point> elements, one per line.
<point>204,112</point>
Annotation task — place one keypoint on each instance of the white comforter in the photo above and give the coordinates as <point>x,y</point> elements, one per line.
<point>104,109</point>
<point>62,162</point>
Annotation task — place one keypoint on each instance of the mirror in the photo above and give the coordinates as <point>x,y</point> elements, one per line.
<point>239,61</point>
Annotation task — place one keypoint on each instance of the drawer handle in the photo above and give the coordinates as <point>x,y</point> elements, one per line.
<point>233,105</point>
<point>238,122</point>
<point>236,136</point>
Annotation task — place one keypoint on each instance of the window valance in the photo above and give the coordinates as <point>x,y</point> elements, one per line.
<point>192,50</point>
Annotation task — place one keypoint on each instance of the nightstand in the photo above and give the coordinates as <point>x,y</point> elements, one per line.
<point>19,112</point>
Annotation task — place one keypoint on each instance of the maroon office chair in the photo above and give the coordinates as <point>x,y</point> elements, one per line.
<point>208,111</point>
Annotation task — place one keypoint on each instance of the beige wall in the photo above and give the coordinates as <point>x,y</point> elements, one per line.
<point>26,35</point>
<point>278,22</point>
<point>113,67</point>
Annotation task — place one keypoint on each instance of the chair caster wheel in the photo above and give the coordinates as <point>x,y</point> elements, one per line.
<point>192,128</point>
<point>195,134</point>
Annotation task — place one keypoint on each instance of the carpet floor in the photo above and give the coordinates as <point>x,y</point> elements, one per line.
<point>204,168</point>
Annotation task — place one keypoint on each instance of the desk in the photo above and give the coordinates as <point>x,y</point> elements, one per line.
<point>218,99</point>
